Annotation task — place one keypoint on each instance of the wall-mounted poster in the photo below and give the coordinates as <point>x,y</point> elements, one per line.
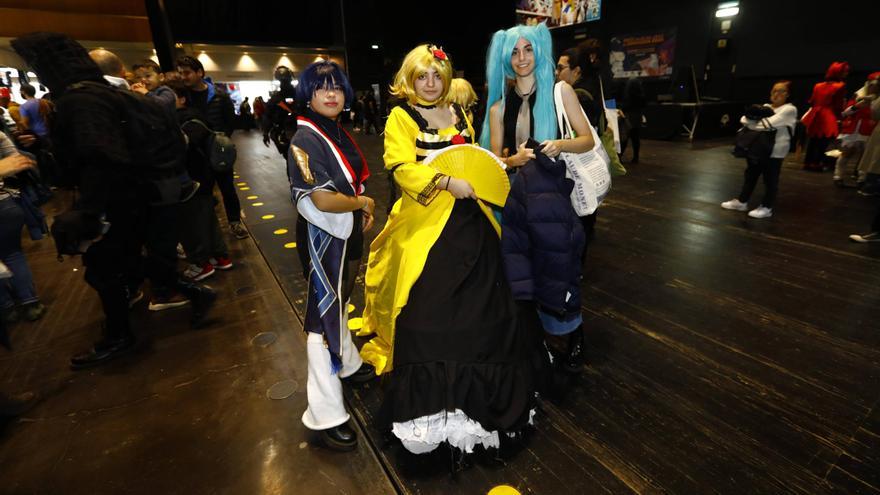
<point>558,13</point>
<point>646,54</point>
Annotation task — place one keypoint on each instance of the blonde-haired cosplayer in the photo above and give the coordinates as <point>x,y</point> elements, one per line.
<point>435,292</point>
<point>462,93</point>
<point>415,64</point>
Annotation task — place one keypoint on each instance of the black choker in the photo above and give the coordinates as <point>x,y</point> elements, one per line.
<point>426,107</point>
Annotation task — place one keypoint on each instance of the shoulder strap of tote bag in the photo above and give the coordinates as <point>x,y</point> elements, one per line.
<point>561,117</point>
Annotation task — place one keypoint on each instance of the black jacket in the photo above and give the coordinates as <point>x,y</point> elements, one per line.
<point>217,108</point>
<point>542,238</point>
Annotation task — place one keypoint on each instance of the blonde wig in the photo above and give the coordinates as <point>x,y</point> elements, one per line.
<point>461,92</point>
<point>416,63</point>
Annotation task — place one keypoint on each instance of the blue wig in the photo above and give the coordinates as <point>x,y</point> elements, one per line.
<point>499,69</point>
<point>324,74</point>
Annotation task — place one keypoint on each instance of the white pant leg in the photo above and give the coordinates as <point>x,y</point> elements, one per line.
<point>324,390</point>
<point>351,358</point>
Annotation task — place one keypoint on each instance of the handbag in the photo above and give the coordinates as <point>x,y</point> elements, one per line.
<point>589,169</point>
<point>609,138</point>
<point>755,144</point>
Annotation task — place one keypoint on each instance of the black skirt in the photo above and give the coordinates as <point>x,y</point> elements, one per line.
<point>458,342</point>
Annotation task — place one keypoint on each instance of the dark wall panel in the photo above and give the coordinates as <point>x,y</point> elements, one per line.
<point>292,23</point>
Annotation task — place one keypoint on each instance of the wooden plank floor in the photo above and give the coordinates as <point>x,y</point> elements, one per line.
<point>726,354</point>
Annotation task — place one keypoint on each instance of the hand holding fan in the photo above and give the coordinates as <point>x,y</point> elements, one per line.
<point>482,169</point>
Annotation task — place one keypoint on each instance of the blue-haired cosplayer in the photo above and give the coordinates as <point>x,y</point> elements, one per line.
<point>327,171</point>
<point>499,69</point>
<point>542,237</point>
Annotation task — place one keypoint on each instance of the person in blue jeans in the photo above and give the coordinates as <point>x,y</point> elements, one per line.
<point>20,286</point>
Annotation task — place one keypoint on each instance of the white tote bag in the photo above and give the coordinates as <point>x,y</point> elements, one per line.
<point>588,170</point>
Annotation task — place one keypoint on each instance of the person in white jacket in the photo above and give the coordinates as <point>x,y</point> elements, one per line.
<point>784,119</point>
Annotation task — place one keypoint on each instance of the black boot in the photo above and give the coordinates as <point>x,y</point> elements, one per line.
<point>201,298</point>
<point>341,438</point>
<point>574,357</point>
<point>364,374</point>
<point>106,349</point>
<point>459,461</point>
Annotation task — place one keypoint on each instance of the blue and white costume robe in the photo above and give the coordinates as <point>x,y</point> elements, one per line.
<point>316,163</point>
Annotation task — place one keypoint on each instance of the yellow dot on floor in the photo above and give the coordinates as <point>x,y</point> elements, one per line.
<point>267,217</point>
<point>355,323</point>
<point>503,490</point>
<point>245,188</point>
<point>241,184</point>
<point>252,197</point>
<point>280,232</point>
<point>290,245</point>
<point>351,308</point>
<point>257,204</point>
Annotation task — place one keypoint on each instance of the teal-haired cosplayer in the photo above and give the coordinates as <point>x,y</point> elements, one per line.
<point>499,69</point>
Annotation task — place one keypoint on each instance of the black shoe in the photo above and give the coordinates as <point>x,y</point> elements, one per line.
<point>103,351</point>
<point>574,357</point>
<point>33,311</point>
<point>201,297</point>
<point>16,405</point>
<point>459,461</point>
<point>238,230</point>
<point>364,374</point>
<point>341,438</point>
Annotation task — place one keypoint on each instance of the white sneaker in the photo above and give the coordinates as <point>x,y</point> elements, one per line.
<point>735,204</point>
<point>872,237</point>
<point>761,212</point>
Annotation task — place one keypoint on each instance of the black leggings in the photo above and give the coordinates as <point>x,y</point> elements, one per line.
<point>814,155</point>
<point>769,168</point>
<point>636,138</point>
<point>225,182</point>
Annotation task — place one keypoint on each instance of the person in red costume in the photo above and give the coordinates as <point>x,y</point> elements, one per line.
<point>821,119</point>
<point>855,129</point>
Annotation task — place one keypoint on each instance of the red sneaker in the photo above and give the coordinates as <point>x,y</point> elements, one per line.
<point>196,272</point>
<point>222,262</point>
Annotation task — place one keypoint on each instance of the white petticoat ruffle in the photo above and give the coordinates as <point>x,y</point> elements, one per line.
<point>424,434</point>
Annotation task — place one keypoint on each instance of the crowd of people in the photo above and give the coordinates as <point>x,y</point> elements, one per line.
<point>144,149</point>
<point>841,135</point>
<point>463,295</point>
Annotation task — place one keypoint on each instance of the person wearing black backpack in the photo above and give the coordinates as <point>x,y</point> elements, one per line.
<point>126,152</point>
<point>200,234</point>
<point>219,114</point>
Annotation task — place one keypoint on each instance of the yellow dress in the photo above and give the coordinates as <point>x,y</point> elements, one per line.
<point>398,254</point>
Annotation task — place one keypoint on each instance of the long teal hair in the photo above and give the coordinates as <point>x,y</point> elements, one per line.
<point>499,69</point>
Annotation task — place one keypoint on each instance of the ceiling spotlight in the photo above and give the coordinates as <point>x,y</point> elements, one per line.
<point>727,9</point>
<point>374,47</point>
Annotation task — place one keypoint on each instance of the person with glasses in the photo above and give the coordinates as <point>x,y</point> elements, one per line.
<point>327,171</point>
<point>782,116</point>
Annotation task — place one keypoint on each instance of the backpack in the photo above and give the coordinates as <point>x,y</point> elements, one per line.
<point>155,142</point>
<point>218,149</point>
